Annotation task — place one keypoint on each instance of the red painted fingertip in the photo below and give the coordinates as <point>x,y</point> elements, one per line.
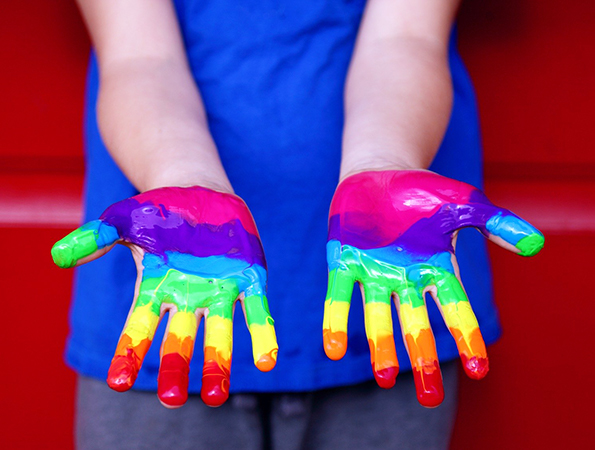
<point>173,380</point>
<point>428,384</point>
<point>122,372</point>
<point>215,384</point>
<point>386,377</point>
<point>476,367</point>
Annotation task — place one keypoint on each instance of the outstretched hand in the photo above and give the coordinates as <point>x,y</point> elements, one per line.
<point>394,232</point>
<point>197,252</point>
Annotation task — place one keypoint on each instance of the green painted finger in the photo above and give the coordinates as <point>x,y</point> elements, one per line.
<point>336,312</point>
<point>262,330</point>
<point>82,242</point>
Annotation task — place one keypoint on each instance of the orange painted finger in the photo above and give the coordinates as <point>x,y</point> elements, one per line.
<point>462,323</point>
<point>379,330</point>
<point>420,344</point>
<point>217,349</point>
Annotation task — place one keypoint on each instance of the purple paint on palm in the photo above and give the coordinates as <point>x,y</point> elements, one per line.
<point>415,210</point>
<point>194,221</point>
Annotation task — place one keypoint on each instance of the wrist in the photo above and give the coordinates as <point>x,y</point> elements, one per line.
<point>349,168</point>
<point>213,178</point>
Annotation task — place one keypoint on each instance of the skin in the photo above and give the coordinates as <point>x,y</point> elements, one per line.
<point>394,233</point>
<point>187,265</point>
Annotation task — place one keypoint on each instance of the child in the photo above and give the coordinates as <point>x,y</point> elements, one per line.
<point>195,97</point>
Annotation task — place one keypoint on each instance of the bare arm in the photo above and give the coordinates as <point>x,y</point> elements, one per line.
<point>150,112</point>
<point>398,95</point>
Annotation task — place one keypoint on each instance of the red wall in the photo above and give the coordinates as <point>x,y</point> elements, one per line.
<point>43,52</point>
<point>532,62</point>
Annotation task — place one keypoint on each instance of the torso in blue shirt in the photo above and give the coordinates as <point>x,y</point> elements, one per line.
<point>271,74</point>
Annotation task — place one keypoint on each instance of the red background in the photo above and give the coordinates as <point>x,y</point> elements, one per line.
<point>532,62</point>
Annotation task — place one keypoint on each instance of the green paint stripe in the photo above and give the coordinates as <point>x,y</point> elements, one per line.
<point>189,292</point>
<point>340,286</point>
<point>257,311</point>
<point>530,245</point>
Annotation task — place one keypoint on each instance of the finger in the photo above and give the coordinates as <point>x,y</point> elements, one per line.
<point>419,340</point>
<point>84,244</point>
<point>336,312</point>
<point>508,227</point>
<point>175,359</point>
<point>217,350</point>
<point>261,326</point>
<point>379,330</point>
<point>136,338</point>
<point>502,226</point>
<point>462,323</point>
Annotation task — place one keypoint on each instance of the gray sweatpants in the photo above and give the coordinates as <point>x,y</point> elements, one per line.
<point>354,417</point>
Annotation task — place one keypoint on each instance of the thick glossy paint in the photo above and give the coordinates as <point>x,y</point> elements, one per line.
<point>177,351</point>
<point>191,221</point>
<point>201,251</point>
<point>218,343</point>
<point>393,232</point>
<point>84,241</point>
<point>379,329</point>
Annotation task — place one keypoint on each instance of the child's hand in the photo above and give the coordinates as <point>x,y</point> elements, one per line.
<point>394,232</point>
<point>197,251</point>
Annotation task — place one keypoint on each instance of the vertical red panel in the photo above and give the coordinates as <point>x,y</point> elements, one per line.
<point>43,53</point>
<point>532,63</point>
<point>37,388</point>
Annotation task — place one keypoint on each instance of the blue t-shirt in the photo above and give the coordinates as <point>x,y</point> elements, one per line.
<point>272,76</point>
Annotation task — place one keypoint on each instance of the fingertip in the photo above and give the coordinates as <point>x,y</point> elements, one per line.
<point>172,383</point>
<point>387,377</point>
<point>267,361</point>
<point>431,399</point>
<point>215,381</point>
<point>214,391</point>
<point>428,384</point>
<point>122,373</point>
<point>531,245</point>
<point>516,232</point>
<point>475,367</point>
<point>63,255</point>
<point>213,397</point>
<point>335,344</point>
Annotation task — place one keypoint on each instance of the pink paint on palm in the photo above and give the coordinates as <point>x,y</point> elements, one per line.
<point>203,207</point>
<point>368,198</point>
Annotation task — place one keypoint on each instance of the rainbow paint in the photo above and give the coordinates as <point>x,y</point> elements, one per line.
<point>394,232</point>
<point>201,252</point>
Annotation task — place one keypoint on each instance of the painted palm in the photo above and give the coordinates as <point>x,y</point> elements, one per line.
<point>197,251</point>
<point>394,232</point>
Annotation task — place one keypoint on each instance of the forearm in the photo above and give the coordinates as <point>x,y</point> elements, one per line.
<point>153,122</point>
<point>150,113</point>
<point>398,95</point>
